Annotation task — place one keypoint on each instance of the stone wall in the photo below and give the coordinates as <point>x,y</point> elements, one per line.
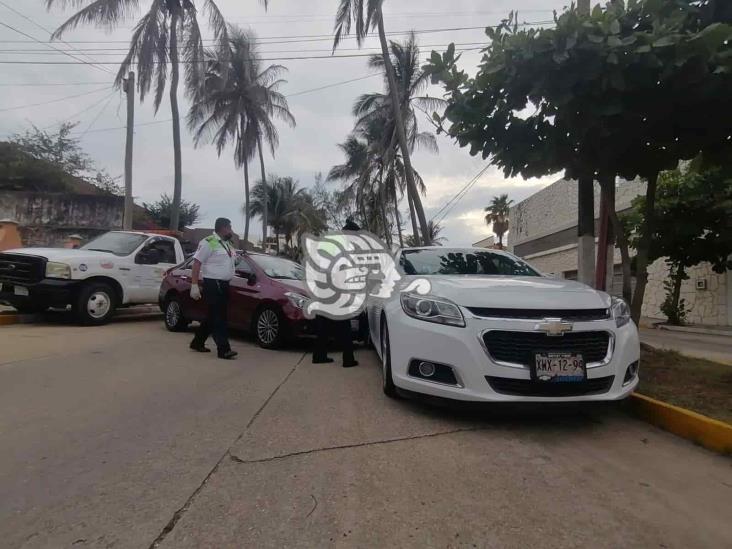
<point>554,209</point>
<point>47,219</point>
<point>705,306</point>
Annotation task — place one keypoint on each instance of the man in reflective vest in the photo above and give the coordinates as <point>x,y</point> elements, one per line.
<point>215,260</point>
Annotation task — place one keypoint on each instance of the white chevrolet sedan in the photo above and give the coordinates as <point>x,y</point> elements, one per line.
<point>492,328</point>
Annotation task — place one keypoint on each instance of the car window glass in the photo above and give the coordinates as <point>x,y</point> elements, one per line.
<point>166,249</point>
<point>120,244</point>
<point>279,267</point>
<point>459,262</point>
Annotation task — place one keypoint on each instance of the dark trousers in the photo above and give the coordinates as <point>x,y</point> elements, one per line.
<point>341,330</point>
<point>216,295</point>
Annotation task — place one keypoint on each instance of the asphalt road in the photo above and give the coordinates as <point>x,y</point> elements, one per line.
<point>120,437</point>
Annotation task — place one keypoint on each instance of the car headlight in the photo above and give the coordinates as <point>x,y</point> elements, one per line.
<point>620,311</point>
<point>297,300</point>
<point>432,309</point>
<point>57,270</point>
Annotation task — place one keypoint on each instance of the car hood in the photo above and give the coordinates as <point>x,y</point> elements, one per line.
<point>294,286</point>
<point>64,255</point>
<point>516,292</point>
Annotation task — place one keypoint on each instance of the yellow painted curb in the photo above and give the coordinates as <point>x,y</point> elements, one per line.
<point>711,433</point>
<point>6,320</point>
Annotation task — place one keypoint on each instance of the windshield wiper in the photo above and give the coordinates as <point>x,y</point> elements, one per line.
<point>99,250</point>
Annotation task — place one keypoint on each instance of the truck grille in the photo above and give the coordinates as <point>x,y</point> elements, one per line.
<point>527,387</point>
<point>519,347</point>
<point>574,315</point>
<point>24,269</point>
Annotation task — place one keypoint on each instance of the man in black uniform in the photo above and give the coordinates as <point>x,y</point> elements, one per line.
<point>215,259</point>
<point>340,329</point>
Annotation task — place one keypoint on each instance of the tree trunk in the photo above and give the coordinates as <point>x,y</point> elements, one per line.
<point>398,218</point>
<point>413,217</point>
<point>265,194</point>
<point>246,203</point>
<point>620,237</point>
<point>586,230</point>
<point>175,75</point>
<point>644,245</point>
<point>401,131</point>
<point>679,277</point>
<point>382,200</point>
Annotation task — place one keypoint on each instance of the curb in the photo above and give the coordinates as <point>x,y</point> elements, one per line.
<point>710,433</point>
<point>7,319</point>
<point>693,330</point>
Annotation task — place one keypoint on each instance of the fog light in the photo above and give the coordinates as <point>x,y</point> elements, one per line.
<point>427,369</point>
<point>630,373</point>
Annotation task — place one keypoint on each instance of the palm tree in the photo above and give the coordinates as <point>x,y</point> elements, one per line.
<point>497,214</point>
<point>236,103</point>
<point>153,46</point>
<point>434,233</point>
<point>376,108</point>
<point>366,15</point>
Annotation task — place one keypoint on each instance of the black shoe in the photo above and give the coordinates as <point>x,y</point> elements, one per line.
<point>325,360</point>
<point>199,348</point>
<point>350,364</point>
<point>228,355</point>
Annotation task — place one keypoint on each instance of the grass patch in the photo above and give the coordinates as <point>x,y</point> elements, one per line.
<point>692,383</point>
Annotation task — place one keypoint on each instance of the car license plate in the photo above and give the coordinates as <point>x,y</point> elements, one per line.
<point>558,367</point>
<point>20,290</point>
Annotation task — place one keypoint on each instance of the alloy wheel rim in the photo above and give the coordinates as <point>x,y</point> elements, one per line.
<point>98,304</point>
<point>173,313</point>
<point>268,326</point>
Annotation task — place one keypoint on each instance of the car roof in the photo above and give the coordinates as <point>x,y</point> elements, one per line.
<point>456,249</point>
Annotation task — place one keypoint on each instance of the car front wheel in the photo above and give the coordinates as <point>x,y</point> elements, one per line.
<point>387,381</point>
<point>95,304</point>
<point>269,328</point>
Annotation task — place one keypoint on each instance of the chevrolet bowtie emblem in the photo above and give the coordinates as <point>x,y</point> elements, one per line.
<point>554,327</point>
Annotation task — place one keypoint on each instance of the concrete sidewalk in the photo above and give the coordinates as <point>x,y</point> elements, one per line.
<point>710,347</point>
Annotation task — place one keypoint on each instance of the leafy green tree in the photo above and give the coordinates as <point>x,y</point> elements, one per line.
<point>497,215</point>
<point>693,213</point>
<point>435,229</point>
<point>366,16</point>
<point>161,212</point>
<point>155,46</point>
<point>625,91</point>
<point>59,147</point>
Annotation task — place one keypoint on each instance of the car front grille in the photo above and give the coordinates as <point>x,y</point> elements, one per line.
<point>575,315</point>
<point>519,347</point>
<point>25,269</point>
<point>527,387</point>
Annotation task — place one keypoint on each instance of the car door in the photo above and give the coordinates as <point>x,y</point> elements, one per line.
<point>156,256</point>
<point>244,292</point>
<point>192,309</point>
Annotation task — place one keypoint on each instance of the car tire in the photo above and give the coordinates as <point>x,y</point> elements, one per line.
<point>95,304</point>
<point>173,311</point>
<point>387,380</point>
<point>269,328</point>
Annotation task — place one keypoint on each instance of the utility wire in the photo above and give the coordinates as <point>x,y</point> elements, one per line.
<point>104,108</point>
<point>33,22</point>
<point>458,196</point>
<point>53,100</point>
<point>82,111</point>
<point>52,47</point>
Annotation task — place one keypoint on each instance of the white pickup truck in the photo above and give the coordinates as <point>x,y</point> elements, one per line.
<point>115,269</point>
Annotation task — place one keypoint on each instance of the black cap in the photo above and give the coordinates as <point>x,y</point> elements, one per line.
<point>351,226</point>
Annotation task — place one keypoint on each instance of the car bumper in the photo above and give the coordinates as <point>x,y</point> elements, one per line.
<point>479,377</point>
<point>47,293</point>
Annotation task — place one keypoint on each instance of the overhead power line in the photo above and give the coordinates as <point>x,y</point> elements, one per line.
<point>53,47</point>
<point>18,107</point>
<point>287,39</point>
<point>44,29</point>
<point>450,204</point>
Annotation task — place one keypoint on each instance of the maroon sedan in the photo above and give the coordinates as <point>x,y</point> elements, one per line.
<point>266,298</point>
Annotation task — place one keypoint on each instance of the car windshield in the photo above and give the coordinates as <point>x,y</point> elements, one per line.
<point>116,243</point>
<point>462,262</point>
<point>278,267</point>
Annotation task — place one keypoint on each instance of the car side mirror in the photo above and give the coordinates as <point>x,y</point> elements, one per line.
<point>251,278</point>
<point>148,257</point>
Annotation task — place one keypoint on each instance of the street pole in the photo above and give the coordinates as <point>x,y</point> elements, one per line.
<point>129,89</point>
<point>586,209</point>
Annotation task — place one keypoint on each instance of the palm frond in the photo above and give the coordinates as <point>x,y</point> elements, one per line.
<point>104,13</point>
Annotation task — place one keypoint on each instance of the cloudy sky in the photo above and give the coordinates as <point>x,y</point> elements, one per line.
<point>290,28</point>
